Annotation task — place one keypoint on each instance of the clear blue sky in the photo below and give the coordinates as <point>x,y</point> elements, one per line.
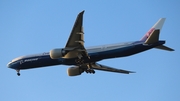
<point>35,26</point>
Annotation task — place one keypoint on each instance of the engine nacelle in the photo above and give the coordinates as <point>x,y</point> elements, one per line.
<point>74,71</point>
<point>57,53</point>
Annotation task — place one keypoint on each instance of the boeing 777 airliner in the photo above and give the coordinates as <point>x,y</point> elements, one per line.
<point>85,59</point>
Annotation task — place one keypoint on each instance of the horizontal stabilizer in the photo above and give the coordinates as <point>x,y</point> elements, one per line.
<point>164,48</point>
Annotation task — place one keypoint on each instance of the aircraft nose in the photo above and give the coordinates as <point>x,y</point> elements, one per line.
<point>12,65</point>
<point>9,65</point>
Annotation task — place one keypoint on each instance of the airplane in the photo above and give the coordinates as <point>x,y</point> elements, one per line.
<point>85,59</point>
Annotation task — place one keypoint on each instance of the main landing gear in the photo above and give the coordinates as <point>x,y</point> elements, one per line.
<point>90,71</point>
<point>80,62</point>
<point>18,72</point>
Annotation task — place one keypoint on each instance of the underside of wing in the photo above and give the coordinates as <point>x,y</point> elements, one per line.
<point>75,43</point>
<point>109,69</point>
<point>77,34</point>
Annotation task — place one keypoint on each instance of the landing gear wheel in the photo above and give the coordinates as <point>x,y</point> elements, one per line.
<point>18,74</point>
<point>18,70</point>
<point>90,71</point>
<point>93,71</point>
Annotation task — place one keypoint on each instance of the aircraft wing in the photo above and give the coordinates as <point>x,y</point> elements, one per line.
<point>75,43</point>
<point>76,37</point>
<point>109,69</point>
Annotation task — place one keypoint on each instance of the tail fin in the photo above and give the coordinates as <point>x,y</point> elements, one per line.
<point>152,36</point>
<point>153,33</point>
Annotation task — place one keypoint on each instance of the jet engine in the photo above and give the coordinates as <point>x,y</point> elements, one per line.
<point>74,71</point>
<point>57,53</point>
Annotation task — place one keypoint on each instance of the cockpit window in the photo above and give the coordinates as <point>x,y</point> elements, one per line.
<point>29,56</point>
<point>17,59</point>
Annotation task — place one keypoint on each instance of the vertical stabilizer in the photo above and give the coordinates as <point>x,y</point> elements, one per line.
<point>159,24</point>
<point>153,34</point>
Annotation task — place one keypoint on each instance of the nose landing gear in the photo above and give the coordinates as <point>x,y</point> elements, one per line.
<point>18,72</point>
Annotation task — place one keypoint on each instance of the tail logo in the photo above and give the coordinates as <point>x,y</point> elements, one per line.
<point>149,32</point>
